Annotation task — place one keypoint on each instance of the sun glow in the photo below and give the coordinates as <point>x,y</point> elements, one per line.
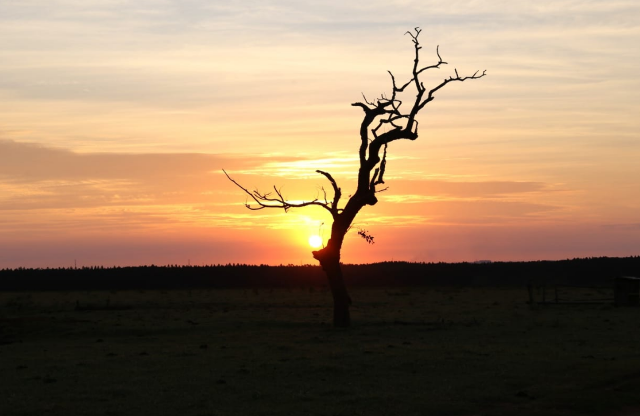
<point>315,241</point>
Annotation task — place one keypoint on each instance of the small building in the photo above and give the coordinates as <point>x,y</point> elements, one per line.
<point>626,291</point>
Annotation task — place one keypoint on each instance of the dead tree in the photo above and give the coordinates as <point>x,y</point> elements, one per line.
<point>384,121</point>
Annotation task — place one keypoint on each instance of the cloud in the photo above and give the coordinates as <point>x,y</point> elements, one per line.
<point>623,227</point>
<point>33,176</point>
<point>35,162</point>
<point>431,189</point>
<point>49,192</point>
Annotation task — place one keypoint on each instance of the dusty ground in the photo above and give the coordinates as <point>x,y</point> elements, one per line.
<point>272,352</point>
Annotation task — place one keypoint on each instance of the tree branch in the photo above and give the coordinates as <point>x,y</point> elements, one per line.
<point>337,192</point>
<point>430,96</point>
<point>265,200</point>
<point>386,111</point>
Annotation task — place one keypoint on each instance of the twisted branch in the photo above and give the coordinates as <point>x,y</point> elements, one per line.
<point>387,112</point>
<point>266,200</point>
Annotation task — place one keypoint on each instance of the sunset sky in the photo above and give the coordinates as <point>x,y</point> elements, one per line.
<point>117,118</point>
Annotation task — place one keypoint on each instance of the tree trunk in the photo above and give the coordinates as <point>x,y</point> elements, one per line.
<point>341,299</point>
<point>330,263</point>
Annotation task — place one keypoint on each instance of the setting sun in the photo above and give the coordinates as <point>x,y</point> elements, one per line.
<point>188,97</point>
<point>315,241</point>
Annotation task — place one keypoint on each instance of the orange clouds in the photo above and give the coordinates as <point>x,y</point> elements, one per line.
<point>168,207</point>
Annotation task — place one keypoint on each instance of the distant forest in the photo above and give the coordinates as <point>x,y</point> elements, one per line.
<point>595,271</point>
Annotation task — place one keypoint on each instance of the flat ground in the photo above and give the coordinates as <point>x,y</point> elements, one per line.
<point>411,351</point>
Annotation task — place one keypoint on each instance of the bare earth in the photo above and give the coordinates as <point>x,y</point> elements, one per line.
<point>422,351</point>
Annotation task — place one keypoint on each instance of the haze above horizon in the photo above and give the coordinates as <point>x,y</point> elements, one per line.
<point>117,118</point>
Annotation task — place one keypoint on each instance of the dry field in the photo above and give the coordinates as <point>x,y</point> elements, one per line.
<point>420,351</point>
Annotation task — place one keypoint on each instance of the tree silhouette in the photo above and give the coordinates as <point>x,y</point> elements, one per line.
<point>398,124</point>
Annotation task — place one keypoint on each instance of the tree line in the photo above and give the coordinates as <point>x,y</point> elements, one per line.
<point>594,271</point>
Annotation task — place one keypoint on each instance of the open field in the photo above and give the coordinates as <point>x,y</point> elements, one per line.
<point>420,351</point>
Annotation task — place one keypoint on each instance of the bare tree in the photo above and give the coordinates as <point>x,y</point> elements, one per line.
<point>384,121</point>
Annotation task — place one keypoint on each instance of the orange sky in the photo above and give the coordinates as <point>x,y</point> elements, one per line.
<point>115,123</point>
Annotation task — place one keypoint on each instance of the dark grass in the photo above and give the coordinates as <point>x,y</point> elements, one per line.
<point>416,351</point>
